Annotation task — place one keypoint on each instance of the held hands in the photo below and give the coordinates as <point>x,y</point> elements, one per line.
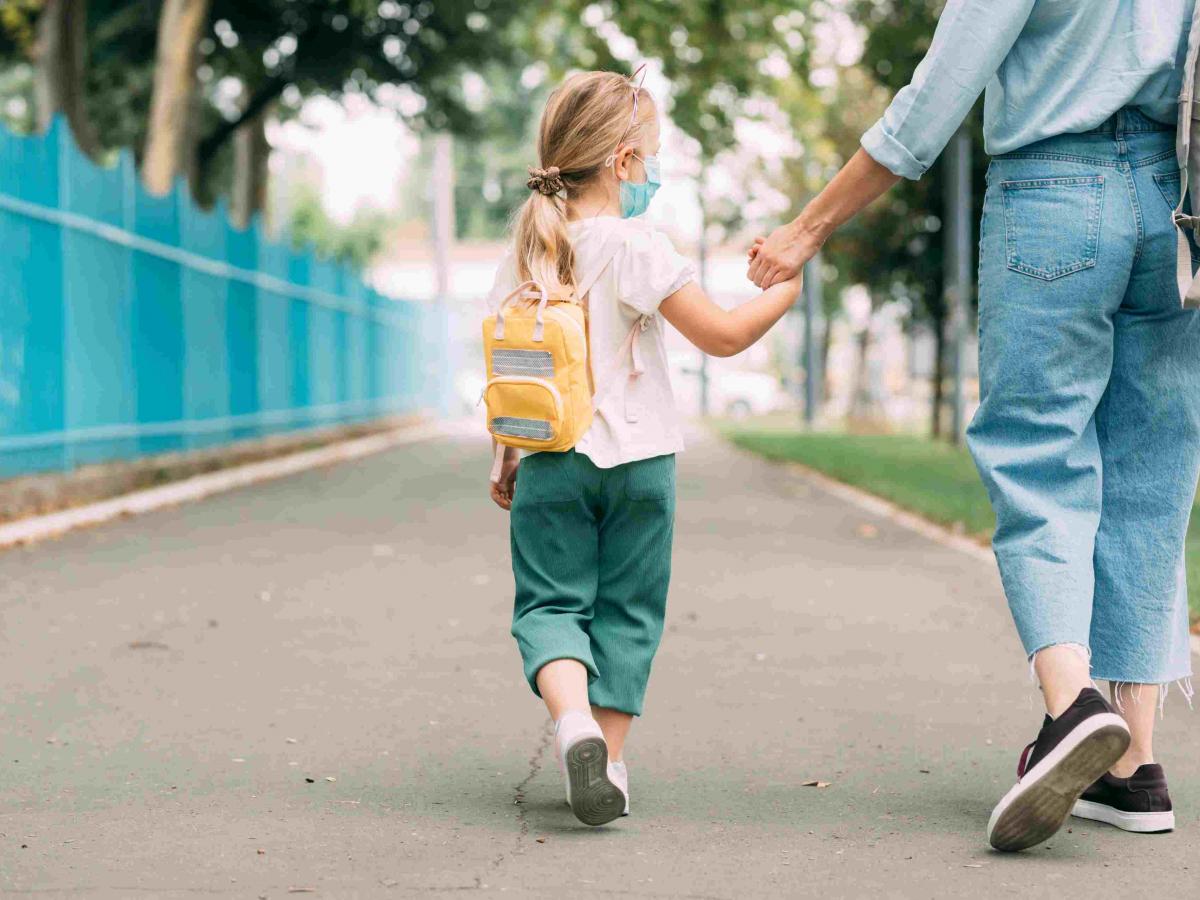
<point>781,255</point>
<point>503,491</point>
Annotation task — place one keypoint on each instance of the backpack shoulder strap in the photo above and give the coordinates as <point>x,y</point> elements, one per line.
<point>1188,155</point>
<point>585,284</point>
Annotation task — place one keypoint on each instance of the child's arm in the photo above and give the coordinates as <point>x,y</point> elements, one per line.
<point>502,492</point>
<point>721,332</point>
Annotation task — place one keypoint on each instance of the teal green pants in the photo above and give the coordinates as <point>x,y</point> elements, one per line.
<point>591,552</point>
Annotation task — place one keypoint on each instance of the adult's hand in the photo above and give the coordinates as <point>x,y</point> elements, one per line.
<point>781,255</point>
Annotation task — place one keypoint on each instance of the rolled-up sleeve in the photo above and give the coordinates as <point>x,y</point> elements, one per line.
<point>971,40</point>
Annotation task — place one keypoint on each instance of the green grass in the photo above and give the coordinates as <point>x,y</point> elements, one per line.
<point>933,479</point>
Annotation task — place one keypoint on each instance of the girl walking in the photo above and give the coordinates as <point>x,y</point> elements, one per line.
<point>591,528</point>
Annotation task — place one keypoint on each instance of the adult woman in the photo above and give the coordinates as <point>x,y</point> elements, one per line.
<point>1088,432</point>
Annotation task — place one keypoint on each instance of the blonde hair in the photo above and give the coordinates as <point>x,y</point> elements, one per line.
<point>586,119</point>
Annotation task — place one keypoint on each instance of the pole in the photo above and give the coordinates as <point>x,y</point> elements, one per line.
<point>439,368</point>
<point>959,203</point>
<point>703,248</point>
<point>442,226</point>
<point>812,306</point>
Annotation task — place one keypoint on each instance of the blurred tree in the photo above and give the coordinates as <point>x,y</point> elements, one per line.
<point>248,58</point>
<point>898,248</point>
<point>354,243</point>
<point>60,51</point>
<point>18,34</point>
<point>171,103</point>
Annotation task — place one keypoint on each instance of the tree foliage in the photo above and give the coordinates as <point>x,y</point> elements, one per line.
<point>354,243</point>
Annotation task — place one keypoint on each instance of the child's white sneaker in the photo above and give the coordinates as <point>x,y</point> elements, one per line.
<point>619,775</point>
<point>583,757</point>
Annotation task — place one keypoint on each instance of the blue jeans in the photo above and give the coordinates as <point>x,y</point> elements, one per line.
<point>1088,432</point>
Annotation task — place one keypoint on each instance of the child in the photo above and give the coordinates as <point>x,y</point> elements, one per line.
<point>591,528</point>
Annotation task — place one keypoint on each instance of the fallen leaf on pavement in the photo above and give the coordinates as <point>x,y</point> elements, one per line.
<point>814,783</point>
<point>541,840</point>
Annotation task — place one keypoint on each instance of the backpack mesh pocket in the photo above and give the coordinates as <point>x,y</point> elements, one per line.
<point>535,363</point>
<point>510,426</point>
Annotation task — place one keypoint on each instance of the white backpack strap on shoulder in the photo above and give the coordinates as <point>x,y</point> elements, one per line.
<point>1187,151</point>
<point>585,284</point>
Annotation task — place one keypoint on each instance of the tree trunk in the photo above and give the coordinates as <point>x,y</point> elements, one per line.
<point>250,154</point>
<point>939,376</point>
<point>167,146</point>
<point>60,54</point>
<point>860,398</point>
<point>826,341</point>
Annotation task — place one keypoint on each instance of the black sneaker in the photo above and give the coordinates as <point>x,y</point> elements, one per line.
<point>1137,803</point>
<point>1069,754</point>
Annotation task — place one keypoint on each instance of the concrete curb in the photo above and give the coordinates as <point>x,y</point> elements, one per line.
<point>37,528</point>
<point>885,509</point>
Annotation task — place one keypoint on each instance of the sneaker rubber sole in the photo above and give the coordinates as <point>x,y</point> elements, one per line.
<point>1038,805</point>
<point>1140,822</point>
<point>594,799</point>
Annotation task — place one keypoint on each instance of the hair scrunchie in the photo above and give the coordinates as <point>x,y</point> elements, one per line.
<point>545,181</point>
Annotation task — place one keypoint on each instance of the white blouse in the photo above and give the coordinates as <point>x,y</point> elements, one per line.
<point>636,418</point>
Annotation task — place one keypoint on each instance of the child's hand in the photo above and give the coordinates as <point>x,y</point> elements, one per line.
<point>753,252</point>
<point>503,491</point>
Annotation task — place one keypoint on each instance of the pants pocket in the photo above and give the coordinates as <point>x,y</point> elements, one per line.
<point>1052,225</point>
<point>651,479</point>
<point>548,478</point>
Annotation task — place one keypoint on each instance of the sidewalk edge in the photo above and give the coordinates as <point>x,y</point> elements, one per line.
<point>886,509</point>
<point>38,528</point>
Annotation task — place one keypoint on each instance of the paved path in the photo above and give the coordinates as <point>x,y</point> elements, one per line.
<point>310,684</point>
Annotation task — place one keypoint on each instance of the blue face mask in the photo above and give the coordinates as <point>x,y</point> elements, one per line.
<point>635,198</point>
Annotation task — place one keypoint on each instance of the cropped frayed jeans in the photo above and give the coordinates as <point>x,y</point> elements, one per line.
<point>1088,432</point>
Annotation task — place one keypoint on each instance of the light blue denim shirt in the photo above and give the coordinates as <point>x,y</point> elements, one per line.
<point>1050,67</point>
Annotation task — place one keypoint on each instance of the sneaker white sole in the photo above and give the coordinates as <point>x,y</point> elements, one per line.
<point>1038,805</point>
<point>1142,822</point>
<point>594,799</point>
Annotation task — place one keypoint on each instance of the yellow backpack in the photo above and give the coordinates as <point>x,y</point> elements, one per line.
<point>539,386</point>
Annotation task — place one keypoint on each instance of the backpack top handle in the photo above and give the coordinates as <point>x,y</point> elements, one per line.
<point>527,290</point>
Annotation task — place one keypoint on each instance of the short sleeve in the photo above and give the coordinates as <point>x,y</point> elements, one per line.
<point>650,270</point>
<point>505,281</point>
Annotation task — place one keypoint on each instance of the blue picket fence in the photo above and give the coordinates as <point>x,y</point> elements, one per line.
<point>132,324</point>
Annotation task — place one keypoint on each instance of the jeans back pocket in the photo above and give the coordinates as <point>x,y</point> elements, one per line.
<point>1052,225</point>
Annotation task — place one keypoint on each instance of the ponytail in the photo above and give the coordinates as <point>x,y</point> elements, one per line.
<point>542,244</point>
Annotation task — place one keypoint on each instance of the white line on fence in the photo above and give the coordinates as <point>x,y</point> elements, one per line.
<point>193,426</point>
<point>39,528</point>
<point>191,260</point>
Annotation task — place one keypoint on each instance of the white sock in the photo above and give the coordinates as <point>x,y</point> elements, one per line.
<point>573,725</point>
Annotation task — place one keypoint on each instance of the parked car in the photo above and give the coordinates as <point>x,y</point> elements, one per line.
<point>732,392</point>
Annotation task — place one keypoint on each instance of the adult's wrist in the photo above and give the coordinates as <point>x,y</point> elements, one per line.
<point>811,229</point>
